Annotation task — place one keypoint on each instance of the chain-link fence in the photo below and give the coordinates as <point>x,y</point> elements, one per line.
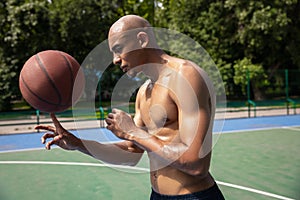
<point>275,89</point>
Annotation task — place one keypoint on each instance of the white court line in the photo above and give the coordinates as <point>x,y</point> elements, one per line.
<point>23,150</point>
<point>74,164</point>
<point>254,190</point>
<point>292,128</point>
<point>140,169</point>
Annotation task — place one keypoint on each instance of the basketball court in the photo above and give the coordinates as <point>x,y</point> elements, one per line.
<point>254,158</point>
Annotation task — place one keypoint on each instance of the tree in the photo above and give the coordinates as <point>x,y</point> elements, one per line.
<point>144,8</point>
<point>30,26</point>
<point>78,26</point>
<point>24,25</point>
<point>266,32</point>
<point>254,73</point>
<point>263,32</point>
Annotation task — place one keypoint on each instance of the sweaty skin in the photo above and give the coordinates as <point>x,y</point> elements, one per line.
<point>173,119</point>
<point>180,138</point>
<point>173,109</point>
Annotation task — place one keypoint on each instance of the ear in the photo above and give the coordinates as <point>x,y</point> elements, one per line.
<point>143,39</point>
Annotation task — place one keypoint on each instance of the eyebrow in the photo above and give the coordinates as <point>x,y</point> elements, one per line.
<point>113,49</point>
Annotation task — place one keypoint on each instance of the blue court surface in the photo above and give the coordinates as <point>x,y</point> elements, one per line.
<point>255,159</point>
<point>32,140</point>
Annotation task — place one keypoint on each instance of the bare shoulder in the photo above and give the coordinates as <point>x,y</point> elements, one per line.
<point>191,79</point>
<point>186,68</point>
<point>189,71</point>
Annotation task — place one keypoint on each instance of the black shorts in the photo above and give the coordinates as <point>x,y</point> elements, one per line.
<point>213,193</point>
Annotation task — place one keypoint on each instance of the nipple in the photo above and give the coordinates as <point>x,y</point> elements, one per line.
<point>158,115</point>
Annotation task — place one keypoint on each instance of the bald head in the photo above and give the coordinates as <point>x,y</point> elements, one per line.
<point>133,27</point>
<point>128,22</point>
<point>132,41</point>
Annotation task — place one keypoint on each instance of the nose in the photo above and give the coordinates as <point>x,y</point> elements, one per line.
<point>117,60</point>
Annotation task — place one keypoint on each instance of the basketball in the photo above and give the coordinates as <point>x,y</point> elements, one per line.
<point>51,81</point>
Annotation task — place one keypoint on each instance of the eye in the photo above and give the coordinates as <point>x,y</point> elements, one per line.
<point>117,49</point>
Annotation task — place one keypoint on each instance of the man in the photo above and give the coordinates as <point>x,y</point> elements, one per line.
<point>173,120</point>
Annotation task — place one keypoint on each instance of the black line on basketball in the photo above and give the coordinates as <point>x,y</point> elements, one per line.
<point>42,66</point>
<point>71,74</point>
<point>37,96</point>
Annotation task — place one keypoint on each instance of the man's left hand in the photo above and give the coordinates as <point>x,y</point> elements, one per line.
<point>121,124</point>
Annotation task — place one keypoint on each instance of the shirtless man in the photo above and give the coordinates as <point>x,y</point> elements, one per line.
<point>173,120</point>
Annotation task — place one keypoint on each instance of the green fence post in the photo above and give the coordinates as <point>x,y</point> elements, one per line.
<point>250,102</point>
<point>286,72</point>
<point>287,96</point>
<point>101,116</point>
<point>248,92</point>
<point>37,112</point>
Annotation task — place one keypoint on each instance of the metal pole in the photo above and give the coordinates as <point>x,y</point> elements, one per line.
<point>37,112</point>
<point>101,112</point>
<point>250,102</point>
<point>99,92</point>
<point>248,91</point>
<point>287,90</point>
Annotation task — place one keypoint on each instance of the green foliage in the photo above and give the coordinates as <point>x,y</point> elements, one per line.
<point>23,31</point>
<point>235,33</point>
<point>143,8</point>
<point>263,29</point>
<point>7,75</point>
<point>245,70</point>
<point>78,26</point>
<point>261,32</point>
<point>30,26</point>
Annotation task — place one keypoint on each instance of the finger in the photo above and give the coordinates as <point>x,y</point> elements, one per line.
<point>115,110</point>
<point>110,115</point>
<point>55,121</point>
<point>46,136</point>
<point>52,142</point>
<point>47,128</point>
<point>49,144</point>
<point>109,121</point>
<point>109,127</point>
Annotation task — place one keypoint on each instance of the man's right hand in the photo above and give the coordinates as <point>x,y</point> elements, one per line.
<point>61,137</point>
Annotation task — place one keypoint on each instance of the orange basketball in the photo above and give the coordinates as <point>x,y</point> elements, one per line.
<point>51,81</point>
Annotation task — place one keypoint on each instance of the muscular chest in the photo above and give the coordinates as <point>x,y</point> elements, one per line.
<point>158,110</point>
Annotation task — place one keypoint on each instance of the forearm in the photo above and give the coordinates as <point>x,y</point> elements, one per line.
<point>113,153</point>
<point>177,155</point>
<point>181,157</point>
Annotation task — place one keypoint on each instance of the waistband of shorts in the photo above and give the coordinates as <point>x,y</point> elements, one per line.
<point>202,192</point>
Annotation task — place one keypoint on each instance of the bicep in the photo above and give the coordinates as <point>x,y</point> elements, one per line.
<point>194,111</point>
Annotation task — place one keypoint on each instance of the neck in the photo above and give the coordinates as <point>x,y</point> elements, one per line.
<point>155,63</point>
